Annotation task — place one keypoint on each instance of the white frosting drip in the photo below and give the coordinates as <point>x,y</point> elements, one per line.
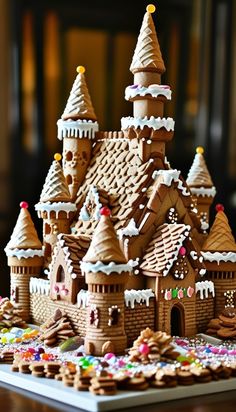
<point>219,256</point>
<point>153,89</point>
<point>82,298</point>
<point>55,207</point>
<point>205,287</point>
<point>84,212</point>
<point>154,122</point>
<point>169,176</point>
<point>76,129</point>
<point>40,286</point>
<point>109,268</point>
<point>132,296</point>
<point>203,191</point>
<point>146,216</point>
<point>24,253</point>
<point>130,230</point>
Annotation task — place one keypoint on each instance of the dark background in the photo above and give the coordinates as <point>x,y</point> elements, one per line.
<point>43,42</point>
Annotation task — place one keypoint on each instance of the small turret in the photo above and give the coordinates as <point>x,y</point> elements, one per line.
<point>55,207</point>
<point>106,272</point>
<point>201,185</point>
<point>77,128</point>
<point>25,258</point>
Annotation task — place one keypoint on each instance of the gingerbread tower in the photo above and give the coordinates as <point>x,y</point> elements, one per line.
<point>148,126</point>
<point>201,185</point>
<point>106,270</point>
<point>77,128</point>
<point>25,258</point>
<point>55,207</point>
<point>219,253</point>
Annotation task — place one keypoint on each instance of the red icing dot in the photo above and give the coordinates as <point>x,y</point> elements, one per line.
<point>24,205</point>
<point>182,251</point>
<point>105,211</point>
<point>220,207</point>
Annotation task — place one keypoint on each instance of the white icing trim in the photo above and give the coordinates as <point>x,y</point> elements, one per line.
<point>205,287</point>
<point>83,211</point>
<point>204,191</point>
<point>219,257</point>
<point>154,122</point>
<point>130,230</point>
<point>133,296</point>
<point>39,286</point>
<point>24,253</point>
<point>55,207</point>
<point>153,89</point>
<point>146,216</point>
<point>109,268</point>
<point>169,176</point>
<point>82,298</point>
<point>76,128</point>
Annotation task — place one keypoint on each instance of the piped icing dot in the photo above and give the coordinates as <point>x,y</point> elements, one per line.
<point>105,211</point>
<point>57,156</point>
<point>24,205</point>
<point>200,150</point>
<point>150,8</point>
<point>219,207</point>
<point>80,69</point>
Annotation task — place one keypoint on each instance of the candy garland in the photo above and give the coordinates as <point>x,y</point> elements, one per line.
<point>177,292</point>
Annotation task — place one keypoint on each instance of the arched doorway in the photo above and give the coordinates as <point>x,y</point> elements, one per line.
<point>177,320</point>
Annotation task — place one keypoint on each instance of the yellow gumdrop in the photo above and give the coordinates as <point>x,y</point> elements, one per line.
<point>80,69</point>
<point>200,150</point>
<point>57,156</point>
<point>150,8</point>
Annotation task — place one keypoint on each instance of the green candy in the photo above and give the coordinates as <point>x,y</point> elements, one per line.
<point>70,344</point>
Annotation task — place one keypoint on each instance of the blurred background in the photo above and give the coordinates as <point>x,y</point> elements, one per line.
<point>42,43</point>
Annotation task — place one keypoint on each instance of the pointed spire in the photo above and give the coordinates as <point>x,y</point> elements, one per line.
<point>199,175</point>
<point>104,246</point>
<point>147,55</point>
<point>24,235</point>
<point>220,238</point>
<point>79,104</point>
<point>55,188</point>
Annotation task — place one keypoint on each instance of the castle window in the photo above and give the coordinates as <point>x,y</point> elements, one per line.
<point>94,316</point>
<point>69,179</point>
<point>114,315</point>
<point>69,156</point>
<point>60,275</point>
<point>230,298</point>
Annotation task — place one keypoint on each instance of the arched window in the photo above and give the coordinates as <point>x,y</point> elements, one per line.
<point>60,274</point>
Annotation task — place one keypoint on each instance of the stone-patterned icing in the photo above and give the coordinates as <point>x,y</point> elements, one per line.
<point>55,188</point>
<point>199,175</point>
<point>105,246</point>
<point>155,123</point>
<point>79,104</point>
<point>220,238</point>
<point>154,90</point>
<point>24,235</point>
<point>147,55</point>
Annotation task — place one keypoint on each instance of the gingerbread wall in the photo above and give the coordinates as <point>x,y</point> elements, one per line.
<point>136,319</point>
<point>204,312</point>
<point>223,282</point>
<point>164,315</point>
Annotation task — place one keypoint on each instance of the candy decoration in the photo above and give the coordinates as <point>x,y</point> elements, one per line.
<point>174,293</point>
<point>180,294</point>
<point>57,156</point>
<point>220,207</point>
<point>167,295</point>
<point>150,8</point>
<point>144,349</point>
<point>200,150</point>
<point>105,211</point>
<point>182,251</point>
<point>56,289</point>
<point>24,205</point>
<point>190,292</point>
<point>80,69</point>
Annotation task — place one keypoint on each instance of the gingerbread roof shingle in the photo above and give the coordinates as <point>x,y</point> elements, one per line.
<point>164,247</point>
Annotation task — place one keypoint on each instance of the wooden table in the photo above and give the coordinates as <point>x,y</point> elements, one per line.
<point>16,400</point>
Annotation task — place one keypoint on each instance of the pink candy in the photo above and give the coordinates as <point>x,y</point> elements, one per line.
<point>144,349</point>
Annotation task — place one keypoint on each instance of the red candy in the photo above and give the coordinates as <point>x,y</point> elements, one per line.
<point>105,211</point>
<point>24,205</point>
<point>220,207</point>
<point>182,251</point>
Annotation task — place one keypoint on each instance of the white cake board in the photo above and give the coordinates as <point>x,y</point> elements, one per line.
<point>55,390</point>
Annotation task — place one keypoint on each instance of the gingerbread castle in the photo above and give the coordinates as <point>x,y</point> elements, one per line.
<point>125,237</point>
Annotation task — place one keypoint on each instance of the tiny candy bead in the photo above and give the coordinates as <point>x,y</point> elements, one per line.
<point>150,8</point>
<point>24,205</point>
<point>144,349</point>
<point>105,211</point>
<point>80,69</point>
<point>200,150</point>
<point>57,156</point>
<point>219,207</point>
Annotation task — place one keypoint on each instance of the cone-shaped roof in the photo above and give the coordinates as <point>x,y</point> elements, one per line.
<point>55,188</point>
<point>79,104</point>
<point>199,175</point>
<point>220,238</point>
<point>24,235</point>
<point>104,246</point>
<point>147,55</point>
